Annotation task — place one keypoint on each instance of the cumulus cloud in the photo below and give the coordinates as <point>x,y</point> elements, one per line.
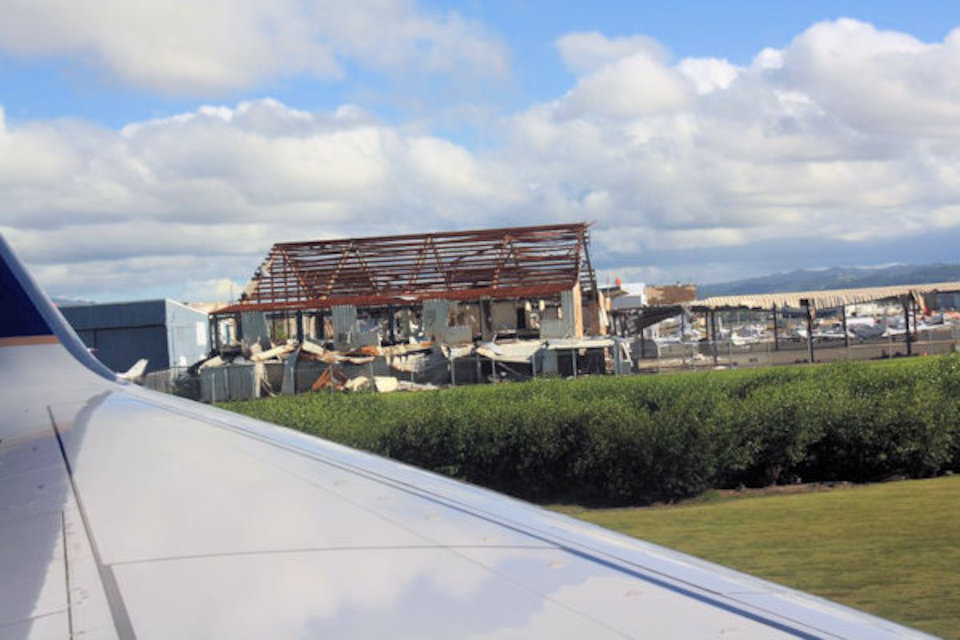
<point>847,132</point>
<point>187,47</point>
<point>394,33</point>
<point>224,184</point>
<point>619,77</point>
<point>213,289</point>
<point>633,86</point>
<point>695,169</point>
<point>708,74</point>
<point>878,81</point>
<point>586,52</point>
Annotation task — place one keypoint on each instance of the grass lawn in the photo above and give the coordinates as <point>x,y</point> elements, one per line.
<point>891,549</point>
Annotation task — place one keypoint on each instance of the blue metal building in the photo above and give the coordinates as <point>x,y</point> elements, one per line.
<point>165,332</point>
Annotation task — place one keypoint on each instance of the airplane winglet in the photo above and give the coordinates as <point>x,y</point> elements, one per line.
<point>19,317</point>
<point>28,317</point>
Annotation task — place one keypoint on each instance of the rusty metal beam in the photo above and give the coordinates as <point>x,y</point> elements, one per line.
<point>398,268</point>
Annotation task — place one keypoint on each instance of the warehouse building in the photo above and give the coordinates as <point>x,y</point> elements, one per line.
<point>450,287</point>
<point>455,307</point>
<point>166,333</point>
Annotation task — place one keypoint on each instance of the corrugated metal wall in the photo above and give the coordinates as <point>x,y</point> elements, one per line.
<point>164,332</point>
<point>188,336</point>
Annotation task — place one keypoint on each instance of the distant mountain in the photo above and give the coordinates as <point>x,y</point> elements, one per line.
<point>834,278</point>
<point>70,302</point>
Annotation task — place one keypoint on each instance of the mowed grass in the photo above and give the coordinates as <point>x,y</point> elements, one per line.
<point>890,549</point>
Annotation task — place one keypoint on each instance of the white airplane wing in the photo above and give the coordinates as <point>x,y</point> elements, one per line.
<point>131,514</point>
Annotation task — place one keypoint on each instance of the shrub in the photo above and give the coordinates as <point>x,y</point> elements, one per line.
<point>636,439</point>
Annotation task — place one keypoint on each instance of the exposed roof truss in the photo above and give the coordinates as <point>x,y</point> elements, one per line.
<point>495,263</point>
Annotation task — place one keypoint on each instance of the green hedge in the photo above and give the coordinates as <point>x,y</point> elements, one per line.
<point>634,440</point>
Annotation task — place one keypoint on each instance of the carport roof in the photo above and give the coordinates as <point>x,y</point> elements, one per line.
<point>826,299</point>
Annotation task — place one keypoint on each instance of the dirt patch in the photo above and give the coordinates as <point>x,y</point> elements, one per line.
<point>784,489</point>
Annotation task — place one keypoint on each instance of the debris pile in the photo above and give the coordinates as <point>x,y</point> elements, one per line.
<point>259,370</point>
<point>243,372</point>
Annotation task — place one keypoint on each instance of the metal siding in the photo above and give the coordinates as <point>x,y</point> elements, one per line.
<point>120,348</point>
<point>89,338</point>
<point>115,315</point>
<point>344,326</point>
<point>182,334</point>
<point>162,331</point>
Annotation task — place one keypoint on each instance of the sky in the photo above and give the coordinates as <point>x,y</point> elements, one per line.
<point>159,148</point>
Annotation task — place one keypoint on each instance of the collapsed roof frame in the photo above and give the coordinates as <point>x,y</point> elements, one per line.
<point>504,263</point>
<point>823,299</point>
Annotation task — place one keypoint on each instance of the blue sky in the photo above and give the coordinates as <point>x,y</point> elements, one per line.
<point>733,30</point>
<point>63,86</point>
<point>162,147</point>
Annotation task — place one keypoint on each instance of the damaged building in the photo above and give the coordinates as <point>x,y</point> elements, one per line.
<point>449,307</point>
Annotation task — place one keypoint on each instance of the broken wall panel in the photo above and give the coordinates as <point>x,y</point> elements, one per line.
<point>344,326</point>
<point>254,327</point>
<point>436,318</point>
<point>232,382</point>
<point>562,322</point>
<point>441,322</point>
<point>503,316</point>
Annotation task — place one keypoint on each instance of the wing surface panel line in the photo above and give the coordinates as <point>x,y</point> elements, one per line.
<point>17,623</point>
<point>66,570</point>
<point>118,610</point>
<point>271,552</point>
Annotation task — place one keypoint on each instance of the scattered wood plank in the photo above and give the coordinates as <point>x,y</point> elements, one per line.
<point>276,352</point>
